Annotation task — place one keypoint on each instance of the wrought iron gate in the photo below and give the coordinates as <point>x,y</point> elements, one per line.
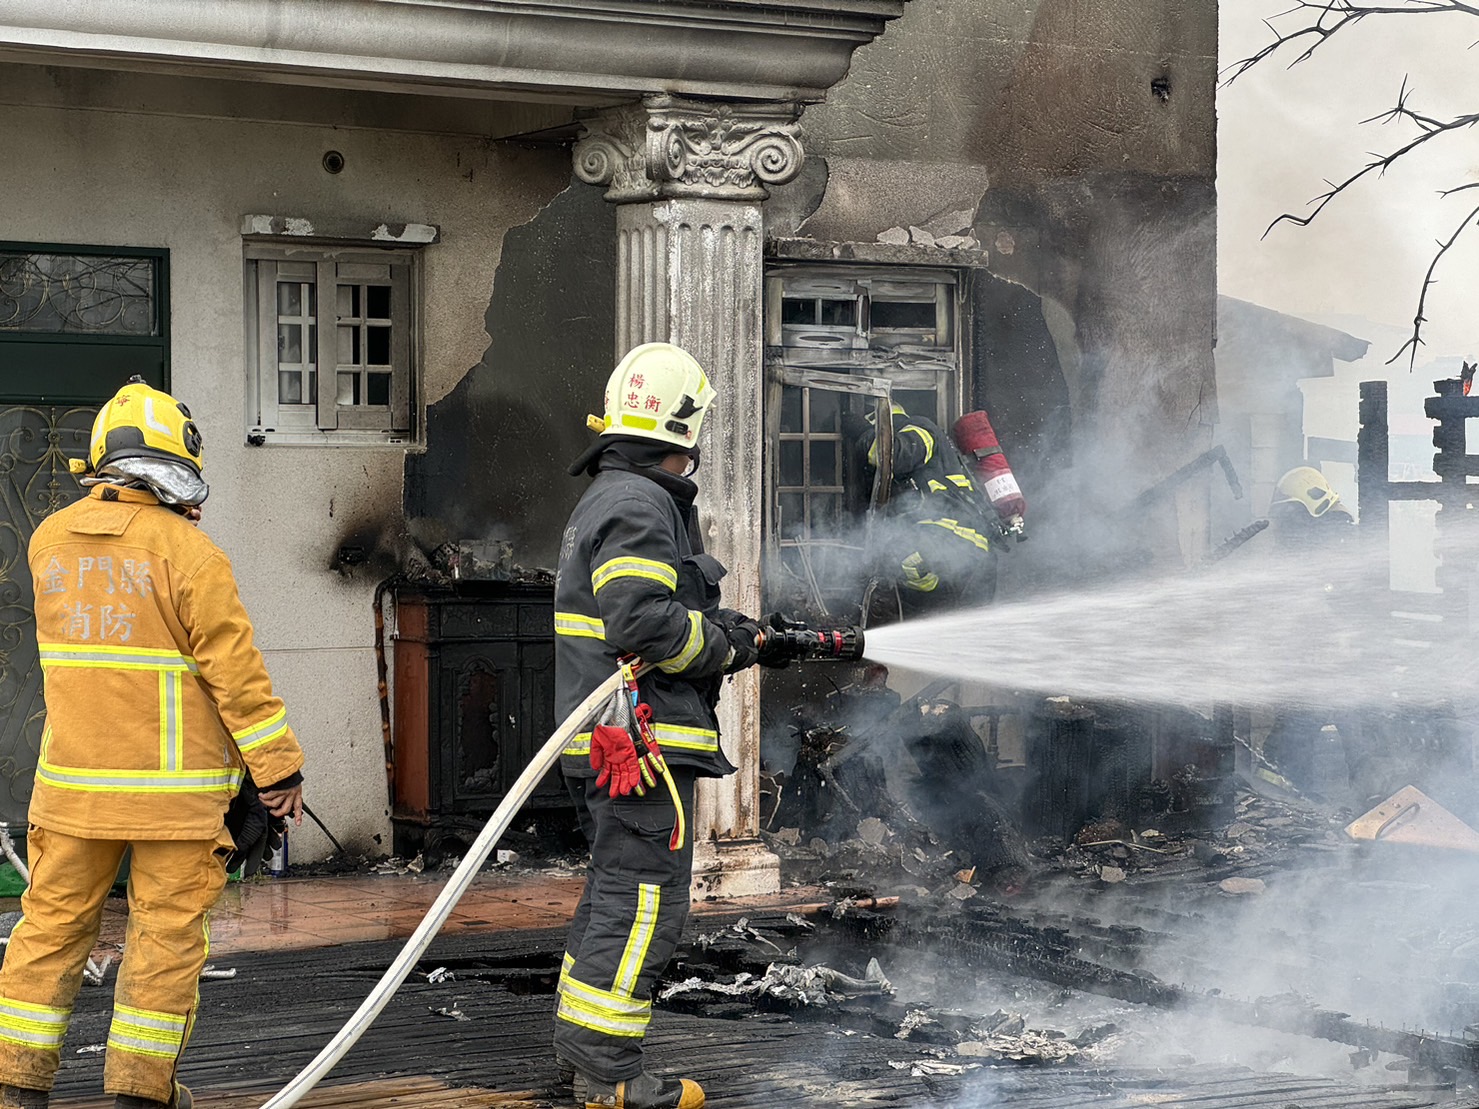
<point>35,443</point>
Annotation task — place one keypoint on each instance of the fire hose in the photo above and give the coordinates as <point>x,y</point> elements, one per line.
<point>791,641</point>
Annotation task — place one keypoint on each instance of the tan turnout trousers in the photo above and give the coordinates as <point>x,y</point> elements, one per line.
<point>171,887</point>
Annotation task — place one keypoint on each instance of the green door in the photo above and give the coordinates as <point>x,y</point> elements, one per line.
<point>75,323</point>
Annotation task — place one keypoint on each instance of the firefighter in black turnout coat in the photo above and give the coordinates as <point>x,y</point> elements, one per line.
<point>633,580</point>
<point>940,551</point>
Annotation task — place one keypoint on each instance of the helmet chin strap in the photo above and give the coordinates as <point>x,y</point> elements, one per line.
<point>695,458</point>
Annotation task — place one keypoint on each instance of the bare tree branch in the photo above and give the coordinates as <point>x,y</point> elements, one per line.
<point>1332,17</point>
<point>1429,128</point>
<point>1428,282</point>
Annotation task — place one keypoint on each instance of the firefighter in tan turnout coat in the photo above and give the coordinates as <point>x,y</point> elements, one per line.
<point>157,701</point>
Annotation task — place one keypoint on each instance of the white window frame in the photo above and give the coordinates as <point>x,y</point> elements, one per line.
<point>323,421</point>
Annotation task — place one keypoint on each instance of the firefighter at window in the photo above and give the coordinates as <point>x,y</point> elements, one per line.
<point>634,581</point>
<point>157,705</point>
<point>939,551</point>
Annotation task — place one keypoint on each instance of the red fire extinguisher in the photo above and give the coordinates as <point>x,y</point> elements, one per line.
<point>977,441</point>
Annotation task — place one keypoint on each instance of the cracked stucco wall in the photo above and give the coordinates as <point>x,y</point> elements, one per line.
<point>101,158</point>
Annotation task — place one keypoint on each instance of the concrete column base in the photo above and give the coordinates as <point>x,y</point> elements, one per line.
<point>734,868</point>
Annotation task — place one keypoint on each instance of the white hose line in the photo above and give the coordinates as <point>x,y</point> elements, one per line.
<point>451,893</point>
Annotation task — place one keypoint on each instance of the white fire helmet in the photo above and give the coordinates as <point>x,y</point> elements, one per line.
<point>658,392</point>
<point>1305,485</point>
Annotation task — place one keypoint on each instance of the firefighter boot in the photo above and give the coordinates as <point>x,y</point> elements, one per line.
<point>181,1100</point>
<point>19,1097</point>
<point>565,1075</point>
<point>644,1092</point>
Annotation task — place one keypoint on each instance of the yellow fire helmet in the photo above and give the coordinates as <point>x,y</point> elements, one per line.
<point>657,392</point>
<point>143,422</point>
<point>1307,486</point>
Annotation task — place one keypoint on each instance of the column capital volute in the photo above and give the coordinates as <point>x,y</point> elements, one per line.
<point>668,147</point>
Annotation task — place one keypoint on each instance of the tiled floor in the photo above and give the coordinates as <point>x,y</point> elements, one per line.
<point>291,913</point>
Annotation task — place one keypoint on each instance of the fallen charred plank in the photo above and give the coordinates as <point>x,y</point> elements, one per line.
<point>1046,954</point>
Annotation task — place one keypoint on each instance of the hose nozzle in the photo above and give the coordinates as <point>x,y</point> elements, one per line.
<point>782,640</point>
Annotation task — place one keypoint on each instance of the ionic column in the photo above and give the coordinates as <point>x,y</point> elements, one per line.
<point>688,178</point>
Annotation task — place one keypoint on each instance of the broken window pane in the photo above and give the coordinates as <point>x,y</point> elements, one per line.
<point>791,400</point>
<point>895,313</point>
<point>825,461</point>
<point>842,313</point>
<point>792,462</point>
<point>377,301</point>
<point>826,511</point>
<point>826,408</point>
<point>798,311</point>
<point>793,515</point>
<point>377,346</point>
<point>379,389</point>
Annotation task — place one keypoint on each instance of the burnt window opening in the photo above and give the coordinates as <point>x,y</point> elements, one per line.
<point>320,378</point>
<point>841,341</point>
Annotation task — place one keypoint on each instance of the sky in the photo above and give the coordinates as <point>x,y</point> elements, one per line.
<point>1283,131</point>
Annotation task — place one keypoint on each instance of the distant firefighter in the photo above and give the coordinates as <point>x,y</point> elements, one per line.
<point>942,554</point>
<point>1307,514</point>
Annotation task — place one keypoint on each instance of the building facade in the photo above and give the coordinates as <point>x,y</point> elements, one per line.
<point>497,199</point>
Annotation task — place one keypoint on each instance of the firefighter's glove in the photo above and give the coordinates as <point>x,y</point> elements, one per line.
<point>614,759</point>
<point>774,651</point>
<point>744,645</point>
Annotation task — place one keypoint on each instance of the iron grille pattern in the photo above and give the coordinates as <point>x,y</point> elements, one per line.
<point>77,294</point>
<point>35,444</point>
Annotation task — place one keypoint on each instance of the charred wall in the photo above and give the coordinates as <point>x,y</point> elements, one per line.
<point>1082,134</point>
<point>499,442</point>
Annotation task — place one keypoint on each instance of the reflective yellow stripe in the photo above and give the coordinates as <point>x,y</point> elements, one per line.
<point>146,1032</point>
<point>649,899</point>
<point>684,738</point>
<point>580,745</point>
<point>92,780</point>
<point>960,480</point>
<point>681,661</point>
<point>274,727</point>
<point>114,658</point>
<point>602,1010</point>
<point>668,736</point>
<point>631,567</point>
<point>567,964</point>
<point>583,627</point>
<point>39,1027</point>
<point>913,579</point>
<point>954,527</point>
<point>929,440</point>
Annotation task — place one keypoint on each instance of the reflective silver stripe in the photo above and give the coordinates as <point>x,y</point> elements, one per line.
<point>140,781</point>
<point>614,1004</point>
<point>572,623</point>
<point>140,1046</point>
<point>688,739</point>
<point>30,1038</point>
<point>691,648</point>
<point>132,660</point>
<point>649,898</point>
<point>41,1014</point>
<point>268,730</point>
<point>144,1018</point>
<point>173,740</point>
<point>578,1012</point>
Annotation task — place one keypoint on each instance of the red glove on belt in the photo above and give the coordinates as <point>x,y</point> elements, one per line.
<point>614,758</point>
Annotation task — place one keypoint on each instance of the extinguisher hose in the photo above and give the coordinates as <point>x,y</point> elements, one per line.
<point>451,893</point>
